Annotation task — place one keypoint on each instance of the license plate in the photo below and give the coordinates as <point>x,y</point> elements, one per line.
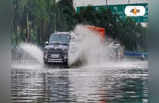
<point>54,55</point>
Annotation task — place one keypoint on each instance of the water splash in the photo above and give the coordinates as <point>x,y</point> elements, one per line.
<point>90,49</point>
<point>33,51</point>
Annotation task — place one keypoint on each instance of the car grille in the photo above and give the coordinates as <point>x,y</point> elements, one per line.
<point>55,53</point>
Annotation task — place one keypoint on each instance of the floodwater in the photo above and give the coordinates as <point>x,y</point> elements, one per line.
<point>123,83</point>
<point>102,79</point>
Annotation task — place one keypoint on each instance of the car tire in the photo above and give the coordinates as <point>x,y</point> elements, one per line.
<point>66,64</point>
<point>46,62</point>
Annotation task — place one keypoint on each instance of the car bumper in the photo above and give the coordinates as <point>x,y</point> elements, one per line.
<point>55,57</point>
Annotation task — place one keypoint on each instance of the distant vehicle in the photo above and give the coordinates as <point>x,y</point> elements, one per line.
<point>118,50</point>
<point>56,49</point>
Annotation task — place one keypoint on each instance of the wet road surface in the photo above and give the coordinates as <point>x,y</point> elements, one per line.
<point>94,84</point>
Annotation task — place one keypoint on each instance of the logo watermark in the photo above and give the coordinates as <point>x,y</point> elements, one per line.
<point>135,11</point>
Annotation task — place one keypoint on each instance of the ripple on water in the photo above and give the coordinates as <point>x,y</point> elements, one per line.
<point>82,85</point>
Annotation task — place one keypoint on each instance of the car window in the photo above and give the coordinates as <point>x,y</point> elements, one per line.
<point>59,38</point>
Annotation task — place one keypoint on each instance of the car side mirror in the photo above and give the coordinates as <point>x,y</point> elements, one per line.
<point>46,43</point>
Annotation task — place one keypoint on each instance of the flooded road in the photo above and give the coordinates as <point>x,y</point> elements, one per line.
<point>93,84</point>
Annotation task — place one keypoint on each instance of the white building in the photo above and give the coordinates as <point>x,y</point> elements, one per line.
<point>79,3</point>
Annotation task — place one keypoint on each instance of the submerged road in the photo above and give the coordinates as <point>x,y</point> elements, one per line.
<point>125,82</point>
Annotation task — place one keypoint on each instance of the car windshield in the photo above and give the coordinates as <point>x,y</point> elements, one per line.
<point>59,38</point>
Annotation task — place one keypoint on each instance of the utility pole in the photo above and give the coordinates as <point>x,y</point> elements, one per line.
<point>106,3</point>
<point>128,1</point>
<point>54,4</point>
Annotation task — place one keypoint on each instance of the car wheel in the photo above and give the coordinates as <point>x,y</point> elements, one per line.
<point>66,64</point>
<point>45,62</point>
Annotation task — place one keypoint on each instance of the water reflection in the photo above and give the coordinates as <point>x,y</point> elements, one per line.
<point>57,84</point>
<point>86,85</point>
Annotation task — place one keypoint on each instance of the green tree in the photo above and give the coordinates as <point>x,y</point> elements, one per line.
<point>65,15</point>
<point>35,20</point>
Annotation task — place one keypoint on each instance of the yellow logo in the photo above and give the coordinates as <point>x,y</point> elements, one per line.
<point>135,11</point>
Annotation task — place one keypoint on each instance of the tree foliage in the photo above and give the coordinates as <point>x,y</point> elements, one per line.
<point>35,20</point>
